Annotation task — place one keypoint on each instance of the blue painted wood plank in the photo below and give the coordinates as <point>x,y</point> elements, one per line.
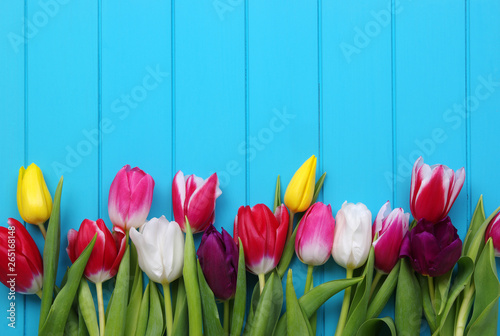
<point>484,93</point>
<point>357,113</point>
<point>136,96</point>
<point>210,99</point>
<point>62,112</point>
<point>283,111</point>
<point>12,150</point>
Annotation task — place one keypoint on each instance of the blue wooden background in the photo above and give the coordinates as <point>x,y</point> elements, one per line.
<point>249,89</point>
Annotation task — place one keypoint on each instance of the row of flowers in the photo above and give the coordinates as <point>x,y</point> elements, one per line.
<point>375,255</point>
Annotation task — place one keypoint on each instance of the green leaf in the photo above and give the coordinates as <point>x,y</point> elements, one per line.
<point>180,326</point>
<point>380,299</point>
<point>277,194</point>
<point>190,274</point>
<point>211,322</point>
<point>134,303</point>
<point>142,321</point>
<point>87,308</point>
<point>485,314</point>
<point>72,327</point>
<point>60,309</point>
<point>288,253</point>
<point>312,300</point>
<point>82,327</point>
<point>477,219</point>
<point>134,265</point>
<point>240,296</point>
<point>377,326</point>
<point>269,307</point>
<point>477,243</point>
<point>430,314</point>
<point>155,320</point>
<point>295,319</point>
<point>317,188</point>
<point>442,284</point>
<point>254,302</point>
<point>115,324</point>
<point>408,308</point>
<point>51,256</point>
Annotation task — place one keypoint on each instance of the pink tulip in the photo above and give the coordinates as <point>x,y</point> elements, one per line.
<point>263,235</point>
<point>391,227</point>
<point>21,265</point>
<point>493,232</point>
<point>314,240</point>
<point>130,198</point>
<point>434,189</point>
<point>195,198</point>
<point>107,253</point>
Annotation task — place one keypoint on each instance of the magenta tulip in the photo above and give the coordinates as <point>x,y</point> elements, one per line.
<point>263,235</point>
<point>493,232</point>
<point>194,198</point>
<point>107,253</point>
<point>218,255</point>
<point>314,240</point>
<point>130,198</point>
<point>21,266</point>
<point>390,227</point>
<point>433,248</point>
<point>434,189</point>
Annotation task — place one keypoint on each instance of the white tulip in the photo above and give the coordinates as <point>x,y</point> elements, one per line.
<point>353,235</point>
<point>160,249</point>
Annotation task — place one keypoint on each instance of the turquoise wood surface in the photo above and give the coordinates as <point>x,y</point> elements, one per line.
<point>248,89</point>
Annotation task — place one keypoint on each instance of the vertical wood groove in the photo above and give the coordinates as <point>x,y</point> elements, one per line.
<point>467,111</point>
<point>393,101</point>
<point>247,112</point>
<point>99,107</point>
<point>172,78</point>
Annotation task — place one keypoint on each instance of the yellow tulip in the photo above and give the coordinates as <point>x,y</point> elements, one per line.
<point>33,198</point>
<point>300,190</point>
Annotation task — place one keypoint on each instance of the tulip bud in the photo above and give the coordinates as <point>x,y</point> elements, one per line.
<point>194,198</point>
<point>19,255</point>
<point>263,235</point>
<point>493,232</point>
<point>352,237</point>
<point>433,249</point>
<point>33,198</point>
<point>107,253</point>
<point>434,189</point>
<point>300,190</point>
<point>130,197</point>
<point>390,227</point>
<point>160,249</point>
<point>314,240</point>
<point>218,255</point>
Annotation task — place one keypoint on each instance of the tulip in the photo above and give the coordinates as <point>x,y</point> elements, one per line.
<point>434,189</point>
<point>300,190</point>
<point>493,232</point>
<point>218,255</point>
<point>433,249</point>
<point>389,229</point>
<point>130,197</point>
<point>33,198</point>
<point>263,235</point>
<point>194,198</point>
<point>314,240</point>
<point>160,252</point>
<point>21,265</point>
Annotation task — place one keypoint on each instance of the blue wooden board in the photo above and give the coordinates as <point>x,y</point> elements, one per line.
<point>249,90</point>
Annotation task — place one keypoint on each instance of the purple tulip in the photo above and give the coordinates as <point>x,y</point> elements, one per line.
<point>218,255</point>
<point>433,249</point>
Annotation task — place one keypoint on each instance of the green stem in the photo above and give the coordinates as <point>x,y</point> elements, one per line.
<point>262,282</point>
<point>464,311</point>
<point>168,308</point>
<point>42,229</point>
<point>345,305</point>
<point>376,279</point>
<point>226,317</point>
<point>290,224</point>
<point>430,281</point>
<point>309,278</point>
<point>100,304</point>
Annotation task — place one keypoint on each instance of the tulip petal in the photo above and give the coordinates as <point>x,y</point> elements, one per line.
<point>179,197</point>
<point>140,201</point>
<point>119,200</point>
<point>201,203</point>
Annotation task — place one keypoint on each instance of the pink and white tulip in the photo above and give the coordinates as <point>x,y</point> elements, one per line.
<point>194,198</point>
<point>434,189</point>
<point>314,240</point>
<point>130,198</point>
<point>107,252</point>
<point>389,228</point>
<point>493,232</point>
